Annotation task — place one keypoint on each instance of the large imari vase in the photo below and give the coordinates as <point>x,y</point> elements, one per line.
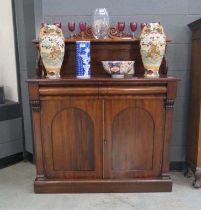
<point>52,49</point>
<point>152,48</point>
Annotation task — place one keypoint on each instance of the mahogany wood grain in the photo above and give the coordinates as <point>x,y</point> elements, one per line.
<point>133,138</point>
<point>102,134</point>
<point>104,186</point>
<point>78,91</point>
<point>35,105</point>
<point>73,129</point>
<point>169,107</point>
<point>194,126</point>
<point>102,52</point>
<point>194,103</point>
<point>131,91</point>
<point>111,129</point>
<point>68,91</point>
<point>72,138</point>
<point>101,80</point>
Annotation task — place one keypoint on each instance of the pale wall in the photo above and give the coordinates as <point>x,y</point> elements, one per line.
<point>8,73</point>
<point>174,15</point>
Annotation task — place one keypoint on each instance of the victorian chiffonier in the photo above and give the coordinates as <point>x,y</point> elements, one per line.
<point>194,121</point>
<point>102,134</point>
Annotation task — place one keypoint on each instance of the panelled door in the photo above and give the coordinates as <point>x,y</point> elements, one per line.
<point>133,135</point>
<point>72,138</point>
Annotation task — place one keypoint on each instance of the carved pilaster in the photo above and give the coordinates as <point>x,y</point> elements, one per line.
<point>197,181</point>
<point>169,104</point>
<point>35,104</point>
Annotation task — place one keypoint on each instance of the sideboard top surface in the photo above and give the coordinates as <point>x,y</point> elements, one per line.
<point>102,79</point>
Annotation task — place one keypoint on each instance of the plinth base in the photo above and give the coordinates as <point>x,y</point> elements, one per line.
<point>103,186</point>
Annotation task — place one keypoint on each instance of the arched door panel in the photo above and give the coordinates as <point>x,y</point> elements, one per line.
<point>72,138</point>
<point>133,134</point>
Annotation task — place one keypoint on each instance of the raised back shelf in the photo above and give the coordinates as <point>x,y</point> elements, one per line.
<point>119,49</point>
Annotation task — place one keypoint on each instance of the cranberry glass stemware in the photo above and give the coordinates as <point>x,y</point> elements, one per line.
<point>82,27</point>
<point>133,27</point>
<point>121,26</point>
<point>71,28</point>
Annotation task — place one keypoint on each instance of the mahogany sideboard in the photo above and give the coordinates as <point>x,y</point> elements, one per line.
<point>194,126</point>
<point>102,134</point>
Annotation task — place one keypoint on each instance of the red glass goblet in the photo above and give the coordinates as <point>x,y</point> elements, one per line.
<point>82,27</point>
<point>71,28</point>
<point>143,25</point>
<point>133,27</point>
<point>121,26</point>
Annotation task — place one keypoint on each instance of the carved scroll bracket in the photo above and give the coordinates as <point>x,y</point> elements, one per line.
<point>169,104</point>
<point>35,104</point>
<point>113,33</point>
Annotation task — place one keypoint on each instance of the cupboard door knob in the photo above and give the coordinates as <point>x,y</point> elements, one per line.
<point>105,141</point>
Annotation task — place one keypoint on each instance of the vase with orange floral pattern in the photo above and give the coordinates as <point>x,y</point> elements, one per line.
<point>152,48</point>
<point>52,49</point>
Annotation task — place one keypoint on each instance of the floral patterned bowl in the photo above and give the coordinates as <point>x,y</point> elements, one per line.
<point>118,69</point>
